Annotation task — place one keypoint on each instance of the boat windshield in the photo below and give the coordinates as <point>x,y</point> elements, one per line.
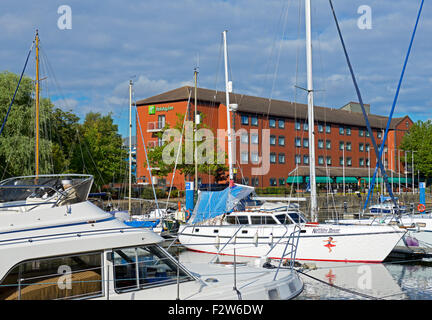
<point>59,189</point>
<point>296,217</point>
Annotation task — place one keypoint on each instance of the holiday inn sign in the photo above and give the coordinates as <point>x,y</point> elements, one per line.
<point>153,109</point>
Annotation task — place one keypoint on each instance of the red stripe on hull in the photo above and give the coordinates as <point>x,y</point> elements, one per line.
<point>325,260</point>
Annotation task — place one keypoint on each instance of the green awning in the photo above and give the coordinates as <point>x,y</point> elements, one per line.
<point>321,180</point>
<point>366,180</point>
<point>294,179</point>
<point>390,179</point>
<point>347,180</point>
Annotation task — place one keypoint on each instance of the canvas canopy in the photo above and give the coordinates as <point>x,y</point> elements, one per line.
<point>211,204</point>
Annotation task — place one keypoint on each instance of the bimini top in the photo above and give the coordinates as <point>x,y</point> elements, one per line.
<point>31,192</point>
<point>211,204</point>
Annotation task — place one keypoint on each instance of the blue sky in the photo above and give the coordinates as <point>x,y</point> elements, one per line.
<point>159,43</point>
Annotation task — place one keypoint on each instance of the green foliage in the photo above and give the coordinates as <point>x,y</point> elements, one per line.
<point>187,168</point>
<point>100,149</point>
<point>419,139</point>
<point>65,146</point>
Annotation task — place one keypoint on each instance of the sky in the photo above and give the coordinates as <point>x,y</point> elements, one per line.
<point>89,56</point>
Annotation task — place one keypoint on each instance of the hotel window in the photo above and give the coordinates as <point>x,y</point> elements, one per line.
<point>254,157</point>
<point>367,147</point>
<point>361,147</point>
<point>297,125</point>
<point>320,160</point>
<point>297,159</point>
<point>348,146</point>
<point>329,162</point>
<point>254,138</point>
<point>244,119</point>
<point>367,162</point>
<point>272,157</point>
<point>160,142</point>
<point>306,159</point>
<point>341,161</point>
<point>254,120</point>
<point>348,131</point>
<point>272,123</point>
<point>281,181</point>
<point>328,128</point>
<point>320,127</point>
<point>298,142</point>
<point>349,162</point>
<point>320,144</point>
<point>244,157</point>
<point>379,134</point>
<point>245,181</point>
<point>281,140</point>
<point>281,157</point>
<point>272,140</point>
<point>361,132</point>
<point>255,182</point>
<point>328,144</point>
<point>305,126</point>
<point>341,145</point>
<point>244,138</point>
<point>341,130</point>
<point>305,143</point>
<point>281,124</point>
<point>361,162</point>
<point>367,134</point>
<point>273,182</point>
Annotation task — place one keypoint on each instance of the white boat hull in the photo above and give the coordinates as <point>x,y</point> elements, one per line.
<point>418,227</point>
<point>366,244</point>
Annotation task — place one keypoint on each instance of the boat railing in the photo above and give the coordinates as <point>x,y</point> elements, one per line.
<point>292,242</point>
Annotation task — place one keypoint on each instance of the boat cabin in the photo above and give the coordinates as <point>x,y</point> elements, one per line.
<point>259,218</point>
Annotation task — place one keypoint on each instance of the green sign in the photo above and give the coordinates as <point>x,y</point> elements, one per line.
<point>158,109</point>
<point>152,110</point>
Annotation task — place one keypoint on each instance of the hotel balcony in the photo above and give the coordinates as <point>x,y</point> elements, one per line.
<point>155,126</point>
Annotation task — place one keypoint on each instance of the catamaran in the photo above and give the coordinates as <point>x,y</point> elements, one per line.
<point>270,234</point>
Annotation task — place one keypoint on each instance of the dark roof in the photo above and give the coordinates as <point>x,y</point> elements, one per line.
<point>272,107</point>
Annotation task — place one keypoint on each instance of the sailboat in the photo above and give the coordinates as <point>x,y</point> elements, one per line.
<point>223,222</point>
<point>58,245</point>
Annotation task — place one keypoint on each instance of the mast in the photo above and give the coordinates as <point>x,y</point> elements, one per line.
<point>314,210</point>
<point>130,149</point>
<point>37,105</point>
<point>227,92</point>
<point>195,129</point>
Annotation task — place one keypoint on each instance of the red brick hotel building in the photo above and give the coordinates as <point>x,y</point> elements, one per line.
<point>342,143</point>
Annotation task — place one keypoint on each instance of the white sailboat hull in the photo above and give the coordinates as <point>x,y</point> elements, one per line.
<point>366,244</point>
<point>418,226</point>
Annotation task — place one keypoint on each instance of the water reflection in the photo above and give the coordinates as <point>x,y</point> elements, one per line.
<point>349,281</point>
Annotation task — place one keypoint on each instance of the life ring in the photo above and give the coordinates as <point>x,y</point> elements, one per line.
<point>421,207</point>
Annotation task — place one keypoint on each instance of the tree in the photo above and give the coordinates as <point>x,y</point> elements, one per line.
<point>17,141</point>
<point>207,149</point>
<point>419,140</point>
<point>100,151</point>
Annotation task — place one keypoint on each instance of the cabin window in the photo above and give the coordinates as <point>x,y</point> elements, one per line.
<point>237,219</point>
<point>283,219</point>
<point>143,267</point>
<point>262,220</point>
<point>296,217</point>
<point>63,277</point>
